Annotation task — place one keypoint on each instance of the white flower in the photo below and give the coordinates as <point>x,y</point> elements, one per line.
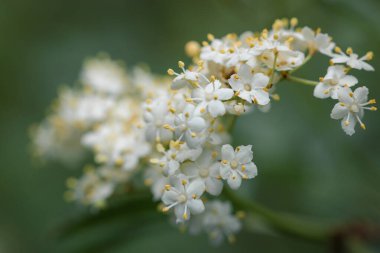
<point>174,156</point>
<point>189,126</point>
<point>335,79</point>
<point>54,139</point>
<point>216,52</point>
<point>287,59</point>
<point>351,108</point>
<point>187,78</point>
<point>237,164</point>
<point>90,109</point>
<point>249,86</point>
<point>320,41</point>
<point>353,60</point>
<point>237,108</point>
<point>184,197</point>
<point>157,117</point>
<point>211,97</point>
<point>116,145</point>
<point>104,75</point>
<point>219,222</point>
<point>240,55</point>
<point>206,168</point>
<point>91,189</point>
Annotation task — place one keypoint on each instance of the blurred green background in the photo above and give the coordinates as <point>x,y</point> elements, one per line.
<point>307,164</point>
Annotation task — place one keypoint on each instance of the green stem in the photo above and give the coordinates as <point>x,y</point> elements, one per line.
<point>301,80</point>
<point>284,223</point>
<point>273,68</point>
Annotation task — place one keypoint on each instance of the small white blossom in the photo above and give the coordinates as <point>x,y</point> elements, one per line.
<point>249,86</point>
<point>91,189</point>
<point>104,75</point>
<point>173,157</point>
<point>335,79</point>
<point>116,145</point>
<point>188,78</point>
<point>219,222</point>
<point>217,51</point>
<point>350,108</point>
<point>157,116</point>
<point>316,41</point>
<point>237,164</point>
<point>184,197</point>
<point>206,168</point>
<point>189,126</point>
<point>353,60</point>
<point>211,98</point>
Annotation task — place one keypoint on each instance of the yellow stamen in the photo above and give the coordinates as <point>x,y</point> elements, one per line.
<point>170,72</point>
<point>181,64</point>
<point>293,22</point>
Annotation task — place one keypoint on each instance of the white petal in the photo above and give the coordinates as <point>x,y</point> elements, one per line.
<point>344,95</point>
<point>216,108</point>
<point>260,80</point>
<point>234,180</point>
<point>190,75</point>
<point>224,93</point>
<point>214,186</point>
<point>320,90</point>
<point>228,152</point>
<point>173,167</point>
<point>196,206</point>
<point>367,67</point>
<point>348,80</point>
<point>236,84</point>
<point>261,96</point>
<point>179,211</point>
<point>169,197</point>
<point>196,187</point>
<point>361,94</point>
<point>225,171</point>
<point>247,96</point>
<point>197,124</point>
<point>244,155</point>
<point>198,93</point>
<point>339,111</point>
<point>245,72</point>
<point>250,170</point>
<point>350,128</point>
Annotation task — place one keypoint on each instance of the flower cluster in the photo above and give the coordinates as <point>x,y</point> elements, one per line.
<point>176,131</point>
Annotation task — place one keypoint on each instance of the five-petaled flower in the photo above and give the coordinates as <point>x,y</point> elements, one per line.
<point>237,165</point>
<point>184,197</point>
<point>351,108</point>
<point>252,87</point>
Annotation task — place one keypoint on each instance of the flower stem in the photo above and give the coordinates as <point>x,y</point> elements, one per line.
<point>281,222</point>
<point>273,68</point>
<point>301,80</point>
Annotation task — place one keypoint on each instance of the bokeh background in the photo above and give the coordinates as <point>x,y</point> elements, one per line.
<point>307,164</point>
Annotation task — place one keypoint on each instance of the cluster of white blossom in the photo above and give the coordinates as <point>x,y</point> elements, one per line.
<point>177,131</point>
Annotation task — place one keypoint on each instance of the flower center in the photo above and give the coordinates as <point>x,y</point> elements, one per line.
<point>354,108</point>
<point>247,87</point>
<point>209,96</point>
<point>234,164</point>
<point>203,172</point>
<point>182,198</point>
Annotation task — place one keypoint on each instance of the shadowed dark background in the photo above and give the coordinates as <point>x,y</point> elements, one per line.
<point>307,165</point>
